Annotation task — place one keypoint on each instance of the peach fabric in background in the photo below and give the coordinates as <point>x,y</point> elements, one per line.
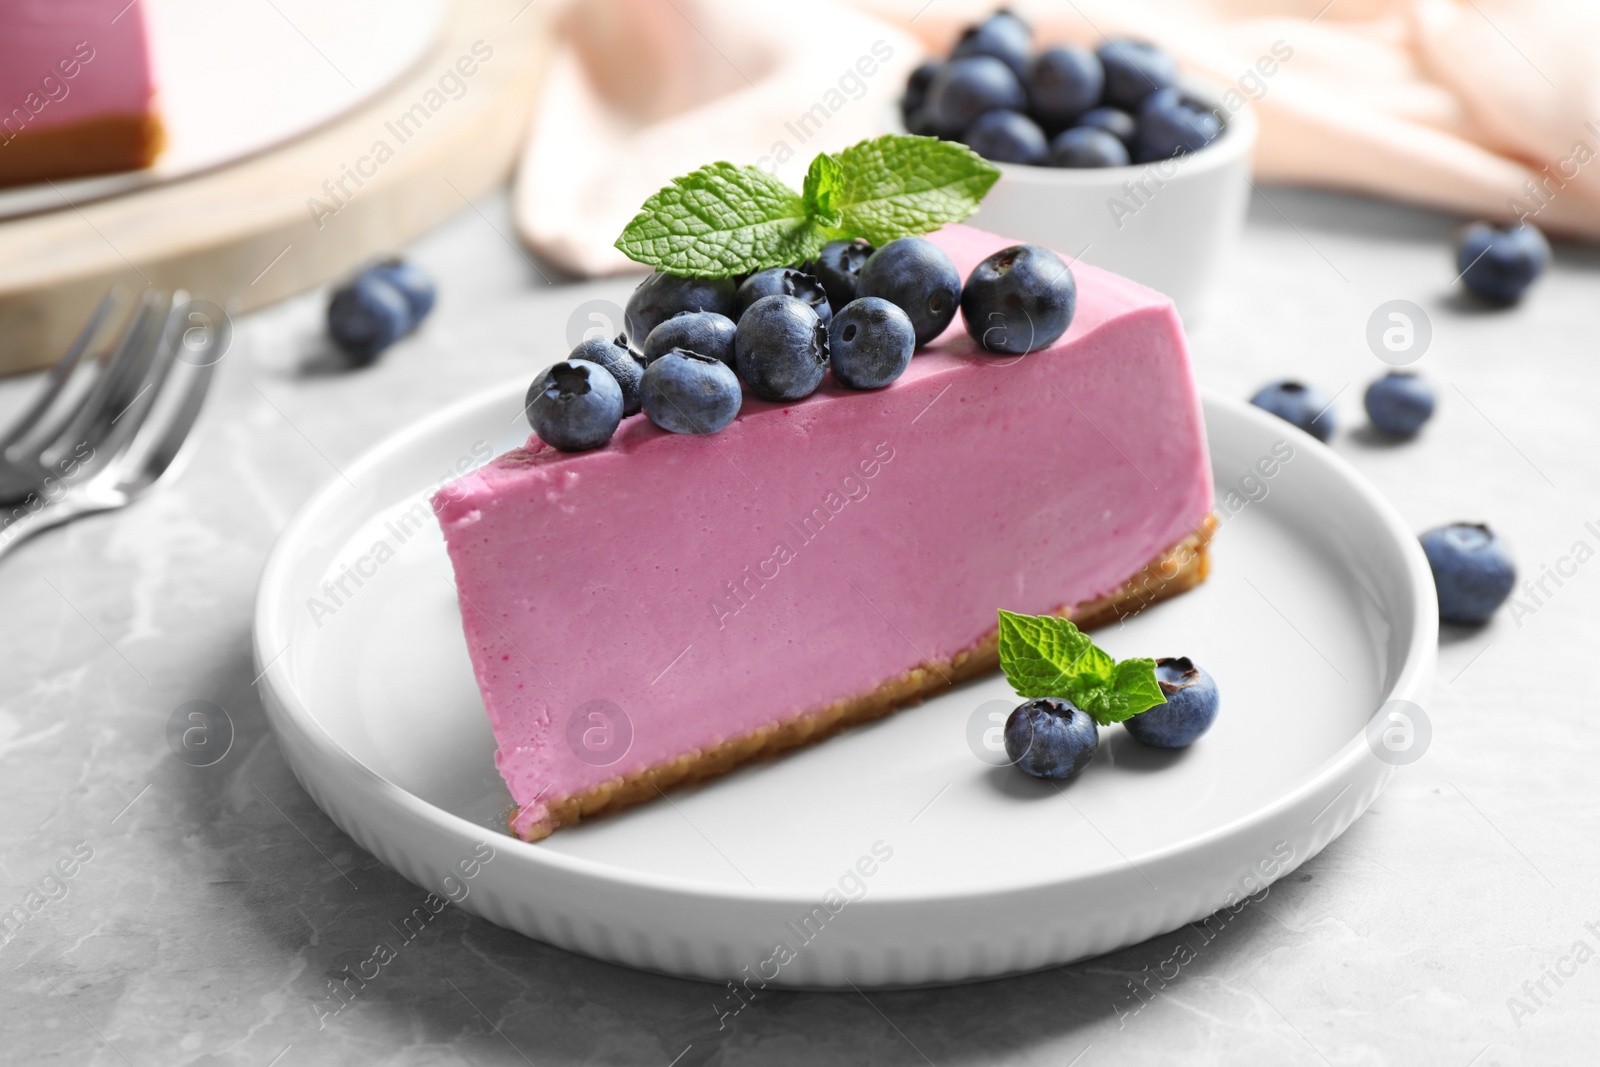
<point>1485,107</point>
<point>642,91</point>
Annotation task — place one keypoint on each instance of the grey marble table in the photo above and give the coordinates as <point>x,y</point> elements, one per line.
<point>206,907</point>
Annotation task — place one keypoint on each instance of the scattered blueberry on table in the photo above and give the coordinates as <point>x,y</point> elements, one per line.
<point>378,307</point>
<point>414,283</point>
<point>615,357</point>
<point>1399,403</point>
<point>870,343</point>
<point>686,392</point>
<point>1051,738</point>
<point>1499,263</point>
<point>576,405</point>
<point>1018,300</point>
<point>1302,405</point>
<point>1002,100</point>
<point>1471,569</point>
<point>781,348</point>
<point>916,275</point>
<point>1190,709</point>
<point>705,332</point>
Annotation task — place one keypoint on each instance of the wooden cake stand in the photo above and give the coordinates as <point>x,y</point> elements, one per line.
<point>250,233</point>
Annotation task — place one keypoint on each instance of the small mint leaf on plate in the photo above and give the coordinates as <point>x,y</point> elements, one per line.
<point>1133,689</point>
<point>1040,653</point>
<point>719,221</point>
<point>899,186</point>
<point>1048,656</point>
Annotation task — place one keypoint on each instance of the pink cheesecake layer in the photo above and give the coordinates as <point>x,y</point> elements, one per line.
<point>808,553</point>
<point>68,61</point>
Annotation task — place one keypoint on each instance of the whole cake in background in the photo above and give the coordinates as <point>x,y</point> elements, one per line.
<point>77,90</point>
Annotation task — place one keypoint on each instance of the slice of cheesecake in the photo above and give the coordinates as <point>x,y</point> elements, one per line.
<point>664,608</point>
<point>77,88</point>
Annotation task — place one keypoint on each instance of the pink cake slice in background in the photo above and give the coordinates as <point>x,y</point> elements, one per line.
<point>77,89</point>
<point>666,607</point>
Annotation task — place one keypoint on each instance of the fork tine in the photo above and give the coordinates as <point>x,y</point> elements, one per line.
<point>168,440</point>
<point>56,380</point>
<point>144,448</point>
<point>126,423</point>
<point>89,423</point>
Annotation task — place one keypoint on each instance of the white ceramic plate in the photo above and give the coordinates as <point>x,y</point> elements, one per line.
<point>238,78</point>
<point>1320,610</point>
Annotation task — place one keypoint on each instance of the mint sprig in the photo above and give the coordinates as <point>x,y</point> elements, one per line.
<point>723,220</point>
<point>1047,656</point>
<point>896,186</point>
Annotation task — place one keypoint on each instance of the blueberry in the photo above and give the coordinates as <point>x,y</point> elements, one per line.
<point>661,296</point>
<point>1051,738</point>
<point>784,281</point>
<point>686,392</point>
<point>1006,137</point>
<point>1134,70</point>
<point>966,88</point>
<point>1003,36</point>
<point>1062,84</point>
<point>1190,709</point>
<point>615,358</point>
<point>838,268</point>
<point>1498,263</point>
<point>1172,125</point>
<point>922,124</point>
<point>414,283</point>
<point>366,317</point>
<point>1086,146</point>
<point>1118,124</point>
<point>1471,569</point>
<point>915,274</point>
<point>916,93</point>
<point>704,332</point>
<point>574,406</point>
<point>870,343</point>
<point>1399,403</point>
<point>1019,300</point>
<point>781,348</point>
<point>1302,405</point>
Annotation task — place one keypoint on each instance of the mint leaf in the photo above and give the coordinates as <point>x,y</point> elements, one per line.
<point>719,221</point>
<point>1039,652</point>
<point>824,181</point>
<point>1048,656</point>
<point>898,186</point>
<point>724,220</point>
<point>1133,689</point>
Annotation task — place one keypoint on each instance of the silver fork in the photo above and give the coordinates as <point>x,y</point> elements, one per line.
<point>88,446</point>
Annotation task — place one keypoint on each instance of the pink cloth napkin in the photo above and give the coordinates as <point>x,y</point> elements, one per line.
<point>1490,108</point>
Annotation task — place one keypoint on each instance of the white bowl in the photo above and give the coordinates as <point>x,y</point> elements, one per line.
<point>1169,225</point>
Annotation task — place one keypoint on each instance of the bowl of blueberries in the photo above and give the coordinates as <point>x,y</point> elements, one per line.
<point>1109,155</point>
